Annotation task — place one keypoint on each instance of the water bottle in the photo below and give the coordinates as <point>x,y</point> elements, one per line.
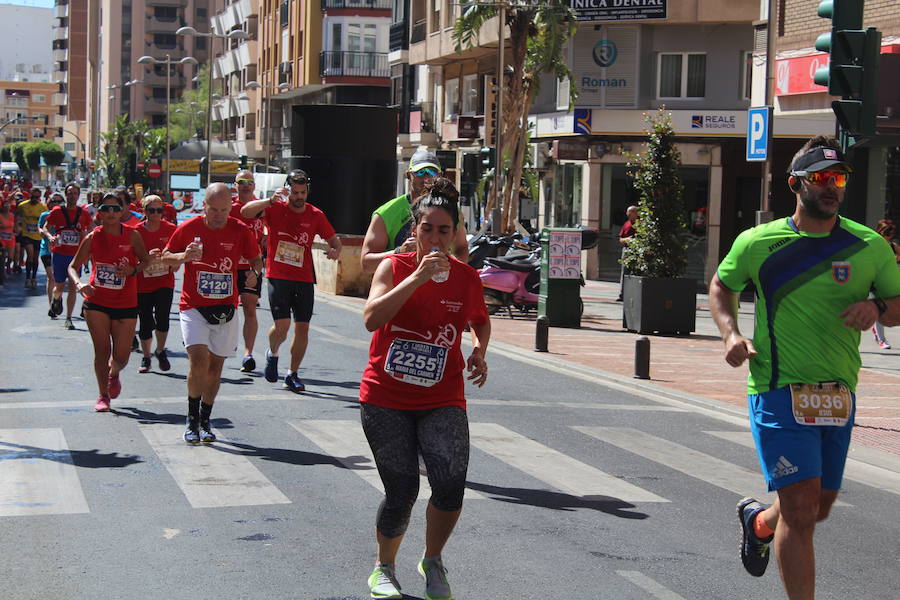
<point>199,242</point>
<point>443,275</point>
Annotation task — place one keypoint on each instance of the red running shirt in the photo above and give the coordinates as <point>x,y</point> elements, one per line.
<point>211,280</point>
<point>257,225</point>
<point>7,231</point>
<point>69,237</point>
<point>155,275</point>
<point>108,251</point>
<point>415,360</point>
<point>290,240</point>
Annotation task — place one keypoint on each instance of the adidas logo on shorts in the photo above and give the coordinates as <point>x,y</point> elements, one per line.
<point>783,468</point>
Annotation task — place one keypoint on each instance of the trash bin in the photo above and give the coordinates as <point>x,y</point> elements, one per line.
<point>560,295</point>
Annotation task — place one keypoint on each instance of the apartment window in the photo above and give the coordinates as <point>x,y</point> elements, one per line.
<point>451,98</point>
<point>199,43</point>
<point>201,14</point>
<point>563,91</point>
<point>159,93</point>
<point>747,75</point>
<point>165,40</point>
<point>435,16</point>
<point>165,13</point>
<point>471,99</point>
<point>39,98</point>
<point>69,146</point>
<point>681,75</point>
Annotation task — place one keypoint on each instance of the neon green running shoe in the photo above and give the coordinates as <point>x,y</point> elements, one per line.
<point>436,585</point>
<point>383,583</point>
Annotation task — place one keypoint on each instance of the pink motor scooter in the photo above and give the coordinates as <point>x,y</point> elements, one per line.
<point>512,283</point>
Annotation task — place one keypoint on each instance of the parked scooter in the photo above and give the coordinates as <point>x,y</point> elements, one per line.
<point>514,280</point>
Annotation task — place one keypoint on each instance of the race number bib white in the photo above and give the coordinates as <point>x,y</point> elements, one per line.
<point>157,268</point>
<point>418,363</point>
<point>108,278</point>
<point>826,403</point>
<point>67,237</point>
<point>31,227</point>
<point>289,253</point>
<point>214,285</point>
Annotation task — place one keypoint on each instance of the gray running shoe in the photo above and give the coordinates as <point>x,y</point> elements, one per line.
<point>754,551</point>
<point>206,434</point>
<point>436,585</point>
<point>383,583</point>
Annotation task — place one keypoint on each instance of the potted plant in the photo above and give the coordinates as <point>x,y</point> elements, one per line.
<point>656,296</point>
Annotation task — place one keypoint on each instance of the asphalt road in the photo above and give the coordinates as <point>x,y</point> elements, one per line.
<point>575,490</point>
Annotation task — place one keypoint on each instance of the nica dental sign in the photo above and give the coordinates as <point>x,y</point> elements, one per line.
<point>618,10</point>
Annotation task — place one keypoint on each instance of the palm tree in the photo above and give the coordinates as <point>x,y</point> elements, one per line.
<point>538,33</point>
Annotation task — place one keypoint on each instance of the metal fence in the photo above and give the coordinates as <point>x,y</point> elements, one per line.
<point>354,64</point>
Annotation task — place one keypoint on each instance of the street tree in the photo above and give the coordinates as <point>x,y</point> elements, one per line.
<point>538,33</point>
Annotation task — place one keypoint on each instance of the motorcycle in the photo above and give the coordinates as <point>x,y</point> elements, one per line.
<point>514,280</point>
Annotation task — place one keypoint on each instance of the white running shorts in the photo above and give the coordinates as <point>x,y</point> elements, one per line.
<point>221,340</point>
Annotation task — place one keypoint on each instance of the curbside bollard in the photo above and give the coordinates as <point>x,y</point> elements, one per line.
<point>642,358</point>
<point>541,333</point>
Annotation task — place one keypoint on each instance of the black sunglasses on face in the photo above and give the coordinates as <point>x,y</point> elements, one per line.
<point>245,181</point>
<point>155,211</point>
<point>110,207</point>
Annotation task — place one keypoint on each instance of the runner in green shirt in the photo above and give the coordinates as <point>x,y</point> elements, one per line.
<point>812,273</point>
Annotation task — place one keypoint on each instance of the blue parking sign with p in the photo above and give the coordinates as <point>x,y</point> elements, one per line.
<point>758,122</point>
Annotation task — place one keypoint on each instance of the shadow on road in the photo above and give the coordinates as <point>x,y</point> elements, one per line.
<point>558,500</point>
<point>90,459</point>
<point>145,417</point>
<point>294,457</point>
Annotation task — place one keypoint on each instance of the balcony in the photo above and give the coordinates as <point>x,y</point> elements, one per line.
<point>399,37</point>
<point>60,55</point>
<point>152,3</point>
<point>60,99</point>
<point>60,33</point>
<point>360,4</point>
<point>354,64</point>
<point>154,24</point>
<point>60,11</point>
<point>59,75</point>
<point>419,30</point>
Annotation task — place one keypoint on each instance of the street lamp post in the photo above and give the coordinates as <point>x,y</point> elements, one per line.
<point>149,60</point>
<point>237,34</point>
<point>122,87</point>
<point>282,87</point>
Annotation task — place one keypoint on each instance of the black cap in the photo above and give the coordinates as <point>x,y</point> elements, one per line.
<point>819,159</point>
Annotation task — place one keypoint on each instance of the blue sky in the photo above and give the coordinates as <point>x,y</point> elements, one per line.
<point>39,3</point>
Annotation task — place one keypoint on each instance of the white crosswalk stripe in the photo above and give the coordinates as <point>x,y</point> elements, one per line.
<point>37,476</point>
<point>710,469</point>
<point>855,470</point>
<point>650,586</point>
<point>553,467</point>
<point>210,476</point>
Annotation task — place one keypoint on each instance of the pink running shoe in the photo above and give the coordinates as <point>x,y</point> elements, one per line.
<point>102,404</point>
<point>115,387</point>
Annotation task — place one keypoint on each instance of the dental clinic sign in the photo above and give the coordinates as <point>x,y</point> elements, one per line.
<point>605,62</point>
<point>618,10</point>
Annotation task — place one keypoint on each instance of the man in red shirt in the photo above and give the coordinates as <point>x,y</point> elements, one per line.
<point>210,246</point>
<point>626,234</point>
<point>64,229</point>
<point>249,294</point>
<point>292,223</point>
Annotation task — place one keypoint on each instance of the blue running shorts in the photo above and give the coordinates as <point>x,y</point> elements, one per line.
<point>61,267</point>
<point>790,452</point>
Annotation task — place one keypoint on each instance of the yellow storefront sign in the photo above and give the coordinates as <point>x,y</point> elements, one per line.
<point>182,166</point>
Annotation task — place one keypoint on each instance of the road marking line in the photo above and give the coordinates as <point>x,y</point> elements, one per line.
<point>529,403</point>
<point>552,467</point>
<point>855,470</point>
<point>37,475</point>
<point>648,585</point>
<point>210,476</point>
<point>715,471</point>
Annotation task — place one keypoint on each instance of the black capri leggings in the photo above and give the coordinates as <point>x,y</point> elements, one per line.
<point>397,437</point>
<point>153,309</point>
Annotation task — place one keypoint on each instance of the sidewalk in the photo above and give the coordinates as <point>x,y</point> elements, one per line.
<point>696,366</point>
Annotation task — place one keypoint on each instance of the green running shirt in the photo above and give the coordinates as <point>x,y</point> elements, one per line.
<point>397,217</point>
<point>803,282</point>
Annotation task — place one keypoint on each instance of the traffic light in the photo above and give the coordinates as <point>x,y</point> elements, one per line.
<point>487,158</point>
<point>852,71</point>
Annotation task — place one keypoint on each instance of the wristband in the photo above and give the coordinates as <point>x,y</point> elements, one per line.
<point>882,307</point>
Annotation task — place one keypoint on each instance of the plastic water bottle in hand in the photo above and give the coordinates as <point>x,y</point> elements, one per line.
<point>199,243</point>
<point>443,275</point>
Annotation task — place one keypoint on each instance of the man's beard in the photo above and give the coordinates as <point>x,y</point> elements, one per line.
<point>810,203</point>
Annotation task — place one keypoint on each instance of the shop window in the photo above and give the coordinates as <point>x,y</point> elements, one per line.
<point>566,196</point>
<point>471,99</point>
<point>681,75</point>
<point>563,91</point>
<point>451,98</point>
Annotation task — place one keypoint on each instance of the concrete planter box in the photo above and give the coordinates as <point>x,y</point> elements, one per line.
<point>342,277</point>
<point>658,305</point>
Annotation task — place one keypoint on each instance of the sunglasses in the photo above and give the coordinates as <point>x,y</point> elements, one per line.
<point>427,172</point>
<point>155,211</point>
<point>822,177</point>
<point>298,180</point>
<point>245,181</point>
<point>110,207</point>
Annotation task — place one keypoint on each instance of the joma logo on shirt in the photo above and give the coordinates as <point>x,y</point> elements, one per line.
<point>779,244</point>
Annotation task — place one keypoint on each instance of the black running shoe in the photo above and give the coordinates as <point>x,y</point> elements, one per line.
<point>164,364</point>
<point>754,551</point>
<point>192,433</point>
<point>248,364</point>
<point>271,371</point>
<point>206,434</point>
<point>145,365</point>
<point>294,383</point>
<point>56,306</point>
